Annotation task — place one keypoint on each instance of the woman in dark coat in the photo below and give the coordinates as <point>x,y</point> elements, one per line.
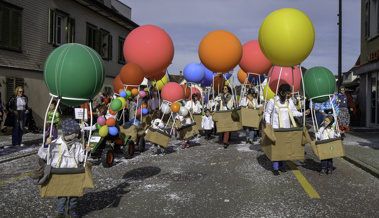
<point>18,109</point>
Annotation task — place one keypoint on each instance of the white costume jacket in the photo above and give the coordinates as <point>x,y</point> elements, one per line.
<point>60,156</point>
<point>207,122</point>
<point>212,105</point>
<point>245,102</point>
<point>327,133</point>
<point>271,113</point>
<point>183,120</point>
<point>195,106</point>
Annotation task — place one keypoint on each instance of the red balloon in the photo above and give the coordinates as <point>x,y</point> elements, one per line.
<point>131,74</point>
<point>105,100</point>
<point>112,112</point>
<point>172,92</point>
<point>285,77</point>
<point>117,84</point>
<point>110,121</point>
<point>193,91</point>
<point>157,77</point>
<point>218,83</point>
<point>150,47</point>
<point>253,59</point>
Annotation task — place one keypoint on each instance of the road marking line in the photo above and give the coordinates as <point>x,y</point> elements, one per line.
<point>15,178</point>
<point>303,181</point>
<point>212,164</point>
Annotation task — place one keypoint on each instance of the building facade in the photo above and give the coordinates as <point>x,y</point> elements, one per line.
<point>31,30</point>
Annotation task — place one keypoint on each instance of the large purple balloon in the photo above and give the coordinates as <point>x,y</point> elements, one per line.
<point>258,80</point>
<point>206,83</point>
<point>208,73</point>
<point>194,73</point>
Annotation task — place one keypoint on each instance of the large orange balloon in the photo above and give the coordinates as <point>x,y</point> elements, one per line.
<point>218,83</point>
<point>241,75</point>
<point>175,107</point>
<point>253,60</point>
<point>117,84</point>
<point>131,74</point>
<point>150,47</point>
<point>187,91</point>
<point>220,51</point>
<point>157,77</point>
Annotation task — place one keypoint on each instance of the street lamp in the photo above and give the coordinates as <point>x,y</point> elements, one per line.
<point>339,43</point>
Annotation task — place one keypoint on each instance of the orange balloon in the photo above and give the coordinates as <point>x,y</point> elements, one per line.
<point>157,77</point>
<point>105,100</point>
<point>175,107</point>
<point>131,74</point>
<point>117,84</point>
<point>110,121</point>
<point>220,51</point>
<point>218,83</point>
<point>242,77</point>
<point>144,105</point>
<point>135,91</point>
<point>112,112</point>
<point>187,91</point>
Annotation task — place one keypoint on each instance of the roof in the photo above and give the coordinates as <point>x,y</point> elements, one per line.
<point>176,78</point>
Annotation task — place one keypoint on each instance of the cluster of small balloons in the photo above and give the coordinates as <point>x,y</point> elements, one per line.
<point>106,126</point>
<point>176,107</point>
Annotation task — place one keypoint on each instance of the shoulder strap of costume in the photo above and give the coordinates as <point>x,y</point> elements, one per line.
<point>289,113</point>
<point>328,132</point>
<point>60,157</point>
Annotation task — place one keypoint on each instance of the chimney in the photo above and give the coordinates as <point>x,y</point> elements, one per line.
<point>181,73</point>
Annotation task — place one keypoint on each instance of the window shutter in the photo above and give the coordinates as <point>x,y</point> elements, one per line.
<point>109,46</point>
<point>16,30</point>
<point>70,30</point>
<point>97,41</point>
<point>10,88</point>
<point>51,36</point>
<point>87,35</point>
<point>19,82</point>
<point>5,27</point>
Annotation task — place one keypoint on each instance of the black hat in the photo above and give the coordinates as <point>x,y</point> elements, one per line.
<point>284,89</point>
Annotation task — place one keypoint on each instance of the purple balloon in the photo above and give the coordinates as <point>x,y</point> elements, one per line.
<point>258,80</point>
<point>206,97</point>
<point>142,94</point>
<point>206,83</point>
<point>208,73</point>
<point>101,121</point>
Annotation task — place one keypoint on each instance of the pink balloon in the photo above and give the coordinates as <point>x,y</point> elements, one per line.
<point>253,59</point>
<point>101,121</point>
<point>142,94</point>
<point>150,47</point>
<point>193,91</point>
<point>139,112</point>
<point>172,92</point>
<point>285,77</point>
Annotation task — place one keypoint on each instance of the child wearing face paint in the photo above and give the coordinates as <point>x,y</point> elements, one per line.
<point>327,132</point>
<point>65,152</point>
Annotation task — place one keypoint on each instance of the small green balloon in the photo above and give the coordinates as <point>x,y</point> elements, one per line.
<point>128,93</point>
<point>98,126</point>
<point>319,81</point>
<point>179,103</point>
<point>103,131</point>
<point>116,105</point>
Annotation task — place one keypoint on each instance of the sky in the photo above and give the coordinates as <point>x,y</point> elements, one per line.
<point>187,22</point>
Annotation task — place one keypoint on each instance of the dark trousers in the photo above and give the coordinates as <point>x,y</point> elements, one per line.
<point>62,201</point>
<point>18,128</point>
<point>208,133</point>
<point>327,163</point>
<point>214,129</point>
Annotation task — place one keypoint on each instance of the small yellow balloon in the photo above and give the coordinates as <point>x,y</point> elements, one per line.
<point>286,37</point>
<point>160,83</point>
<point>123,102</point>
<point>267,91</point>
<point>103,131</point>
<point>227,82</point>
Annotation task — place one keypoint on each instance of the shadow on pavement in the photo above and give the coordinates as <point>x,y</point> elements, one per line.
<point>141,173</point>
<point>311,164</point>
<point>264,162</point>
<point>95,201</point>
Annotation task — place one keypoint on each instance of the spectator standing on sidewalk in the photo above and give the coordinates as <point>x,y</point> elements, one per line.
<point>346,104</point>
<point>18,109</point>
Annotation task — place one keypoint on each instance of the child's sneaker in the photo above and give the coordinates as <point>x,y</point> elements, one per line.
<point>330,171</point>
<point>72,213</point>
<point>323,171</point>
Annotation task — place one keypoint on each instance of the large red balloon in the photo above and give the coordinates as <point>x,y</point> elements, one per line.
<point>194,91</point>
<point>172,92</point>
<point>117,84</point>
<point>131,74</point>
<point>285,77</point>
<point>150,47</point>
<point>157,77</point>
<point>253,59</point>
<point>218,83</point>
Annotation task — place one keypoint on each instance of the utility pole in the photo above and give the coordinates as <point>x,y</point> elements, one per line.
<point>340,44</point>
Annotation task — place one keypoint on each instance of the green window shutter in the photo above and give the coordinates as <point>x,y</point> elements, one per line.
<point>51,36</point>
<point>70,30</point>
<point>5,26</point>
<point>109,46</point>
<point>16,30</point>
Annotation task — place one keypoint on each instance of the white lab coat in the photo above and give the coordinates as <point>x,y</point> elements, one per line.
<point>245,101</point>
<point>207,122</point>
<point>322,133</point>
<point>271,113</point>
<point>70,158</point>
<point>195,106</point>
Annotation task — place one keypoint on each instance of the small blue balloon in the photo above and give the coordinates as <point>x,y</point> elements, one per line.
<point>123,94</point>
<point>145,111</point>
<point>112,130</point>
<point>194,73</point>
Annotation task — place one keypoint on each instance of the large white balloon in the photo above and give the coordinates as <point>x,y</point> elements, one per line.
<point>183,111</point>
<point>166,109</point>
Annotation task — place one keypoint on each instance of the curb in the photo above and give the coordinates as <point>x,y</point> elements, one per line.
<point>369,169</point>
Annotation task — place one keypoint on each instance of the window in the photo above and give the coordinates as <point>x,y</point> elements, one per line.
<point>367,19</point>
<point>10,27</point>
<point>61,28</point>
<point>92,39</point>
<point>100,40</point>
<point>12,83</point>
<point>108,90</point>
<point>121,58</point>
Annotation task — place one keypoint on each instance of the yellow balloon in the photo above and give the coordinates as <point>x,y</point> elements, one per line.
<point>269,92</point>
<point>123,102</point>
<point>160,83</point>
<point>286,37</point>
<point>103,131</point>
<point>227,82</point>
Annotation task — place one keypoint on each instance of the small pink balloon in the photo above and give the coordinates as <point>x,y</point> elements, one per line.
<point>142,94</point>
<point>139,112</point>
<point>101,121</point>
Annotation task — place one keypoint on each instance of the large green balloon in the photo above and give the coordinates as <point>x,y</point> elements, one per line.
<point>319,81</point>
<point>75,71</point>
<point>116,105</point>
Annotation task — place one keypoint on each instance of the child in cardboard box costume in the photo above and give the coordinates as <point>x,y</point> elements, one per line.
<point>327,132</point>
<point>250,101</point>
<point>65,152</point>
<point>279,113</point>
<point>194,105</point>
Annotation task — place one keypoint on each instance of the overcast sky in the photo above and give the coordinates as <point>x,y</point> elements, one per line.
<point>187,22</point>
